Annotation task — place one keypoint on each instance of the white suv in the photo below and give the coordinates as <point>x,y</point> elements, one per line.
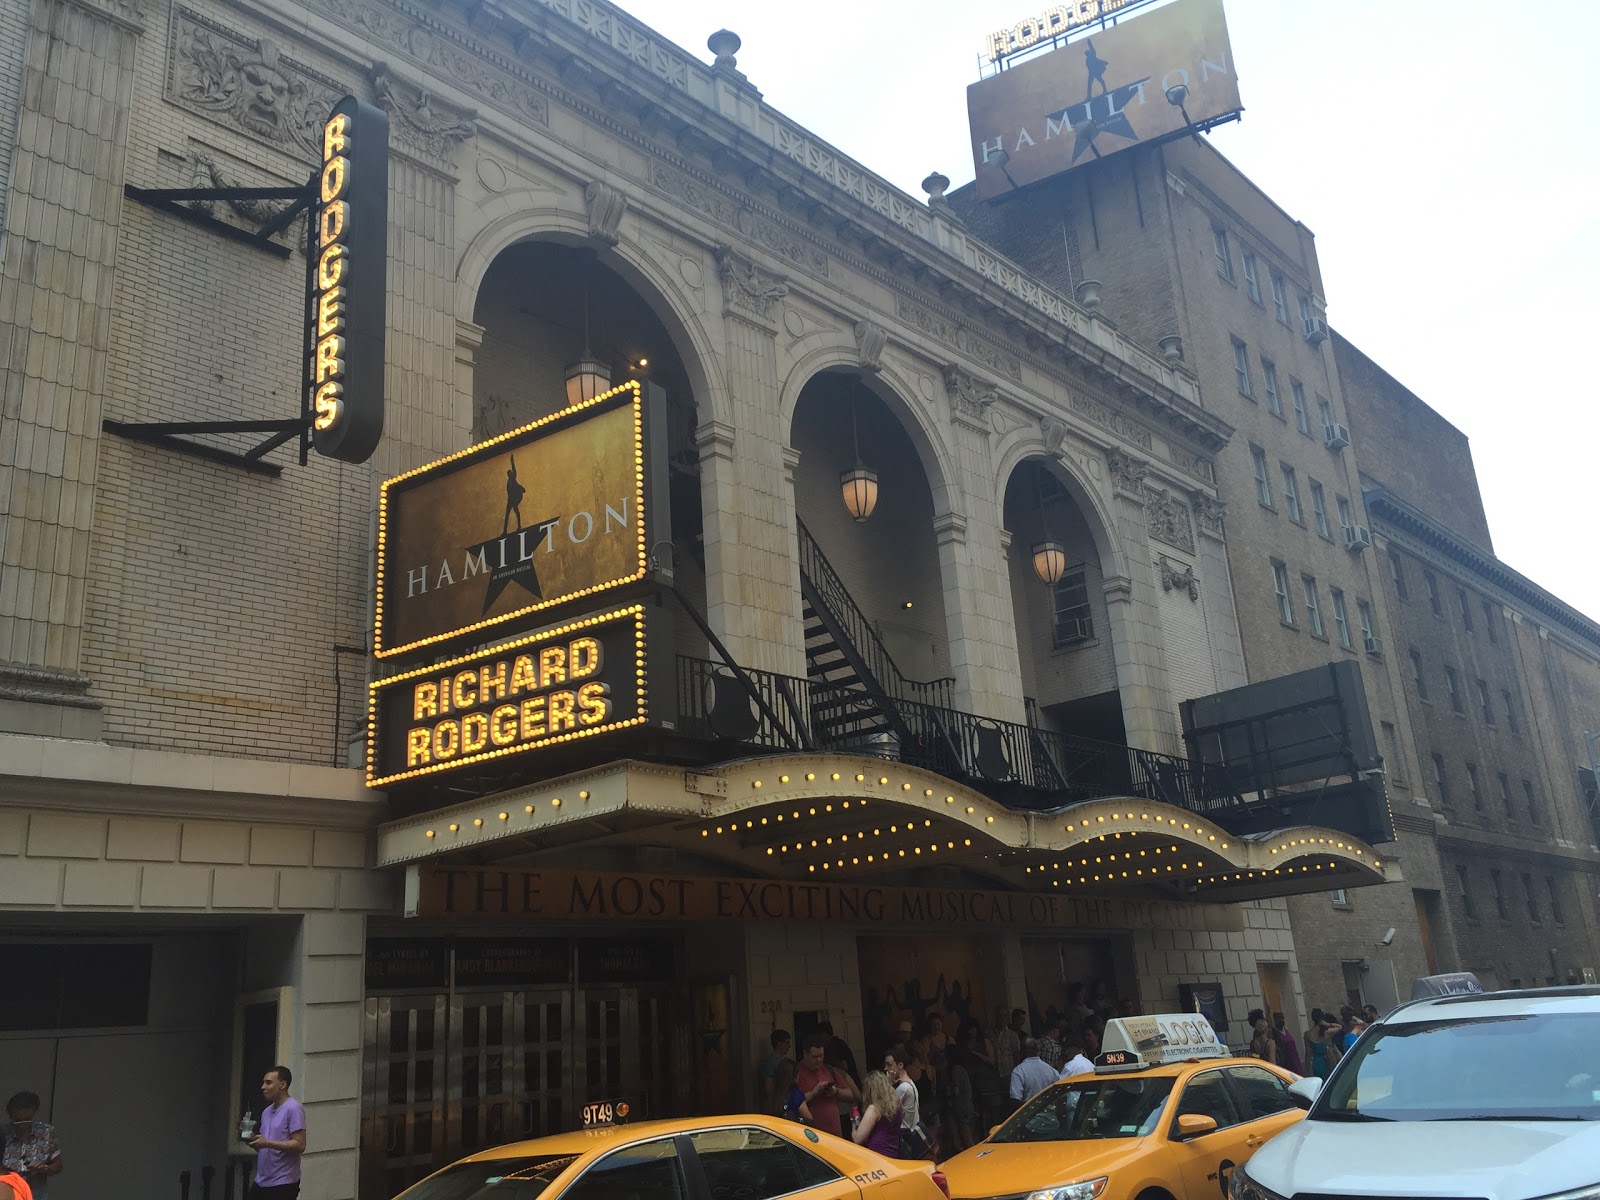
<point>1493,1096</point>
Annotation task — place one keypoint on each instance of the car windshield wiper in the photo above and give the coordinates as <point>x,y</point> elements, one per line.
<point>1338,1114</point>
<point>1514,1117</point>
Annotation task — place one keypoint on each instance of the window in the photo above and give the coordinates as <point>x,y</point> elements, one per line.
<point>1465,606</point>
<point>1452,684</point>
<point>1417,676</point>
<point>1313,610</point>
<point>1483,701</point>
<point>510,1179</point>
<point>1397,569</point>
<point>756,1165</point>
<point>1490,625</point>
<point>1533,898</point>
<point>1252,277</point>
<point>1291,494</point>
<point>1307,314</point>
<point>1219,244</point>
<point>1533,801</point>
<point>1207,1096</point>
<point>1341,619</point>
<point>1325,413</point>
<point>1347,518</point>
<point>1280,585</point>
<point>1394,764</point>
<point>1472,787</point>
<point>1369,632</point>
<point>1319,509</point>
<point>1505,796</point>
<point>1280,305</point>
<point>1241,367</point>
<point>1555,899</point>
<point>1467,905</point>
<point>1511,712</point>
<point>1297,392</point>
<point>1340,898</point>
<point>648,1169</point>
<point>1260,1092</point>
<point>1074,620</point>
<point>1499,893</point>
<point>1441,781</point>
<point>1258,458</point>
<point>1432,583</point>
<point>1089,1110</point>
<point>1269,375</point>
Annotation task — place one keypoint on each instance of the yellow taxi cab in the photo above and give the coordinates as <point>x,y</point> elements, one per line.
<point>695,1158</point>
<point>1167,1114</point>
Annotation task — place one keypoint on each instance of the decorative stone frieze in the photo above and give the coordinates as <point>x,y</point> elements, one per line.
<point>1168,519</point>
<point>420,124</point>
<point>970,397</point>
<point>248,85</point>
<point>1209,515</point>
<point>1127,474</point>
<point>949,333</point>
<point>749,291</point>
<point>738,215</point>
<point>1177,577</point>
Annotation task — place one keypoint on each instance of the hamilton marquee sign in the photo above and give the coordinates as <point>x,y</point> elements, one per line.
<point>540,517</point>
<point>1147,78</point>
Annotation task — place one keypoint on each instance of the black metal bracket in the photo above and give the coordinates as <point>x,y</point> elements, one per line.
<point>173,200</point>
<point>166,434</point>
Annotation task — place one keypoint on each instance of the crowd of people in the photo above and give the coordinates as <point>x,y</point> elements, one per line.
<point>1329,1035</point>
<point>932,1092</point>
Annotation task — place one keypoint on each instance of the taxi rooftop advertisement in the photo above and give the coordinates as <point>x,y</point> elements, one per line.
<point>1151,76</point>
<point>543,515</point>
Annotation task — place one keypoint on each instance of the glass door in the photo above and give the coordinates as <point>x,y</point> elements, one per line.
<point>403,1127</point>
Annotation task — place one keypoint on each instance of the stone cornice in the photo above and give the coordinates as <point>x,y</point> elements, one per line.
<point>1384,505</point>
<point>1501,849</point>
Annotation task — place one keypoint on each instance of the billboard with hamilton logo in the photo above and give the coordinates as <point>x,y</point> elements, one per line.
<point>491,537</point>
<point>1149,77</point>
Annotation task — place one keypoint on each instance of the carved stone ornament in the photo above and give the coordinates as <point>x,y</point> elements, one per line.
<point>1127,473</point>
<point>206,173</point>
<point>1168,520</point>
<point>870,341</point>
<point>1209,515</point>
<point>249,85</point>
<point>419,123</point>
<point>1054,432</point>
<point>746,288</point>
<point>606,207</point>
<point>970,397</point>
<point>1176,578</point>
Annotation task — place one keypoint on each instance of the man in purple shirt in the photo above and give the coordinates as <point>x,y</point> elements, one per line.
<point>281,1142</point>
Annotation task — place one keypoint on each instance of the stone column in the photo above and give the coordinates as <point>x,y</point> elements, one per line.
<point>469,338</point>
<point>1216,589</point>
<point>1137,642</point>
<point>752,568</point>
<point>56,289</point>
<point>972,560</point>
<point>332,1008</point>
<point>424,417</point>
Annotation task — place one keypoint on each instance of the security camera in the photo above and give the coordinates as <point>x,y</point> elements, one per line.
<point>1387,938</point>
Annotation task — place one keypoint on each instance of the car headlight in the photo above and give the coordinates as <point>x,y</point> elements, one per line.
<point>1089,1189</point>
<point>1242,1187</point>
<point>1592,1192</point>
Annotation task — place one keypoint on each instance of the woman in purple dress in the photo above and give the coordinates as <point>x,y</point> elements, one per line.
<point>879,1126</point>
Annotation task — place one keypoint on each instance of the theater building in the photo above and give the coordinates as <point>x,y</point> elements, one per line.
<point>716,684</point>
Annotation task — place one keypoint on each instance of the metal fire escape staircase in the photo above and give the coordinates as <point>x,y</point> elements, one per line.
<point>859,698</point>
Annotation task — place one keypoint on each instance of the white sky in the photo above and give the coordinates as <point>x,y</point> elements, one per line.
<point>1445,153</point>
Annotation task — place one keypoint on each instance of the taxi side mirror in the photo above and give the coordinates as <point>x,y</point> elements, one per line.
<point>1193,1125</point>
<point>1304,1092</point>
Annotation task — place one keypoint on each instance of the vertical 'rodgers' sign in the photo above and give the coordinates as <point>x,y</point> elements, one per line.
<point>350,250</point>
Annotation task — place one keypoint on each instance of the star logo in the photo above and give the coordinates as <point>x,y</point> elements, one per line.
<point>509,557</point>
<point>1101,114</point>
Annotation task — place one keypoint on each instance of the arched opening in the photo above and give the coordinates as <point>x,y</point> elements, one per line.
<point>881,575</point>
<point>1069,669</point>
<point>545,306</point>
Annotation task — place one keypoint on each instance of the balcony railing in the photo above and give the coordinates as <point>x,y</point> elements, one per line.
<point>1022,766</point>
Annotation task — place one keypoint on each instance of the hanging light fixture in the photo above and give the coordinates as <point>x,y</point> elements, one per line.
<point>1049,555</point>
<point>588,377</point>
<point>859,485</point>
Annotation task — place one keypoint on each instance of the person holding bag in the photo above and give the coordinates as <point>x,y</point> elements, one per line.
<point>914,1140</point>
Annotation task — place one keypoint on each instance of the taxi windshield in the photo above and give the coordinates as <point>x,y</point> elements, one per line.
<point>492,1179</point>
<point>1524,1066</point>
<point>1106,1107</point>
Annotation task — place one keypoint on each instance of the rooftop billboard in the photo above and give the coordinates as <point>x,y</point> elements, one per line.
<point>1143,79</point>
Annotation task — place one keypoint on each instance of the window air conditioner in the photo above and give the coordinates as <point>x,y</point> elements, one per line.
<point>1374,645</point>
<point>1357,537</point>
<point>1316,332</point>
<point>1337,437</point>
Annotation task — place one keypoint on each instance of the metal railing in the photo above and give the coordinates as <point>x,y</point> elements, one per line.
<point>814,565</point>
<point>1024,767</point>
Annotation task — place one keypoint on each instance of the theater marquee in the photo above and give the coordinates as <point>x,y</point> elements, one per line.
<point>580,679</point>
<point>540,516</point>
